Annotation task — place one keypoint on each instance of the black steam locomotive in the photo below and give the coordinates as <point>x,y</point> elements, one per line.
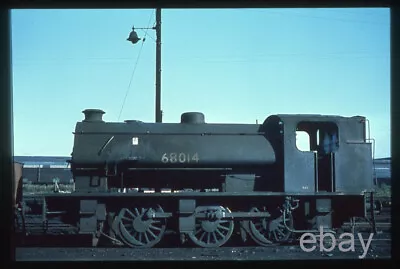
<point>136,181</point>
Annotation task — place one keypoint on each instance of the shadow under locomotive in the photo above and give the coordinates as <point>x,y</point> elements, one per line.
<point>210,181</point>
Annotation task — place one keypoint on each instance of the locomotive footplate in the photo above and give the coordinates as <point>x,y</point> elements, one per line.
<point>187,194</point>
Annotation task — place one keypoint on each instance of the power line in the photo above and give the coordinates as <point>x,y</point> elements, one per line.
<point>149,35</point>
<point>134,69</point>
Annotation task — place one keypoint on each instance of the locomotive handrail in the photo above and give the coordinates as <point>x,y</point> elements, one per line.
<point>164,134</point>
<point>105,145</point>
<point>179,169</point>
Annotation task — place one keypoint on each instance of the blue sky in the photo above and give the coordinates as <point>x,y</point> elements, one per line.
<point>234,65</point>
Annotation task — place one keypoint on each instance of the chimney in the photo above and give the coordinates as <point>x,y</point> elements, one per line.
<point>93,115</point>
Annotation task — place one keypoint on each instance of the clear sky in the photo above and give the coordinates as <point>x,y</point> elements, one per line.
<point>234,65</point>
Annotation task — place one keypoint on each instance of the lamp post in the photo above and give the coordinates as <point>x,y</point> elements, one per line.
<point>133,37</point>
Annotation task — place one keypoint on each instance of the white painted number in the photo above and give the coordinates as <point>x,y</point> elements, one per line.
<point>179,157</point>
<point>182,157</point>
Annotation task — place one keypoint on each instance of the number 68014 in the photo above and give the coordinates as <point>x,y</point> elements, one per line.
<point>181,157</point>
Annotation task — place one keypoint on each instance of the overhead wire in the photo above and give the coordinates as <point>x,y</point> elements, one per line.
<point>149,35</point>
<point>134,69</point>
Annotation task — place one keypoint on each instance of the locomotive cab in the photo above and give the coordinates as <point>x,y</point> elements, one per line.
<point>337,156</point>
<point>331,170</point>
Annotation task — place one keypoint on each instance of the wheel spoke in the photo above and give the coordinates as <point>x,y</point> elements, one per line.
<point>151,226</point>
<point>275,236</point>
<point>140,237</point>
<point>220,233</point>
<point>151,233</point>
<point>202,236</point>
<point>223,227</point>
<point>137,212</point>
<point>215,237</point>
<point>126,218</point>
<point>130,213</point>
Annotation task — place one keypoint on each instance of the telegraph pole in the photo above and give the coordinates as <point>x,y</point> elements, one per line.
<point>133,37</point>
<point>158,66</point>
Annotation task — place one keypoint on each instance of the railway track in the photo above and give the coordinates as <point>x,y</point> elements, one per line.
<point>382,222</point>
<point>77,248</point>
<point>365,225</point>
<point>286,252</point>
<point>51,240</point>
